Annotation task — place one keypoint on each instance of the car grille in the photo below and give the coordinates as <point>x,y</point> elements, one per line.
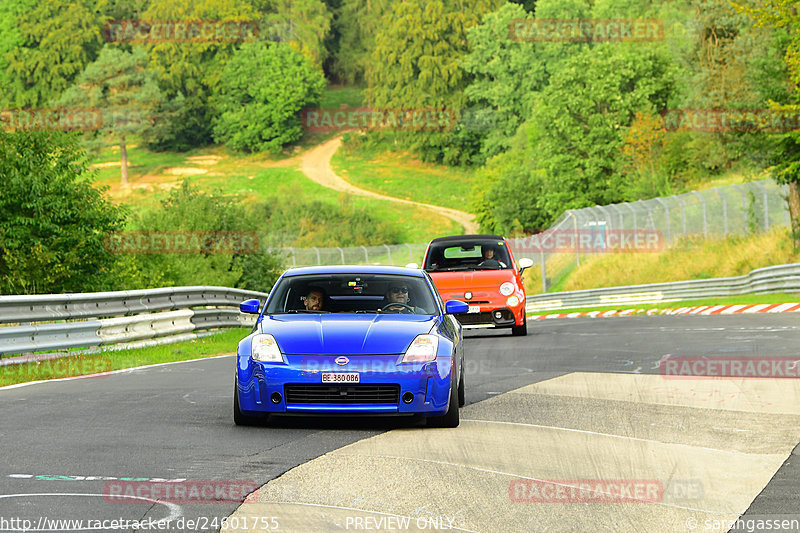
<point>469,319</point>
<point>342,394</point>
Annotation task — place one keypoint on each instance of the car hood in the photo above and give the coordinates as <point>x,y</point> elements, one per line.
<point>361,334</point>
<point>471,279</point>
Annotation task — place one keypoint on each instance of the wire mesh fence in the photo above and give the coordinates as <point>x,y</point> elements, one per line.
<point>739,209</point>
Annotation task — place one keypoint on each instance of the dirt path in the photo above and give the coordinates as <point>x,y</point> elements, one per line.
<point>316,165</point>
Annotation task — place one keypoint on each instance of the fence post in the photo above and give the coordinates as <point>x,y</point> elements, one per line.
<point>705,220</point>
<point>683,212</point>
<point>766,204</point>
<point>341,252</point>
<point>389,253</point>
<point>724,212</point>
<point>410,254</point>
<point>577,237</point>
<point>666,215</point>
<point>744,207</point>
<point>294,257</point>
<point>366,255</point>
<point>319,259</point>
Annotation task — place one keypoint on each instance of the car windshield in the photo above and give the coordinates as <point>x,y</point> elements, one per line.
<point>352,293</point>
<point>467,255</point>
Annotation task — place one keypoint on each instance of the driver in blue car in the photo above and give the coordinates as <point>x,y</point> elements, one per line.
<point>313,300</point>
<point>396,300</point>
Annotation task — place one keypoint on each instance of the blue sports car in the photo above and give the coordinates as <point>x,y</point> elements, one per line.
<point>343,340</point>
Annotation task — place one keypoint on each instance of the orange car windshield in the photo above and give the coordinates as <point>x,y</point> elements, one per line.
<point>478,255</point>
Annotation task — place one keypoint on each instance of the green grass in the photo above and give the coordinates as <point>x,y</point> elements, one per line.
<point>401,175</point>
<point>221,343</point>
<point>250,179</point>
<point>745,299</point>
<point>337,96</point>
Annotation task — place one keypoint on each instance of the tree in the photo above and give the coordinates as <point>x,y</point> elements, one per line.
<point>507,75</point>
<point>263,90</point>
<point>304,24</point>
<point>123,90</point>
<point>53,223</point>
<point>58,39</point>
<point>189,73</point>
<point>785,15</point>
<point>416,65</point>
<point>578,125</point>
<point>11,11</point>
<point>357,23</point>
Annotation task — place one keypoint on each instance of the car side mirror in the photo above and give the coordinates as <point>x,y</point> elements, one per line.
<point>525,263</point>
<point>250,306</point>
<point>455,307</point>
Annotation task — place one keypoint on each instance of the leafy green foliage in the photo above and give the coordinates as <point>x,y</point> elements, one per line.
<point>53,223</point>
<point>125,93</point>
<point>416,64</point>
<point>11,11</point>
<point>59,38</point>
<point>357,24</point>
<point>189,73</point>
<point>304,24</point>
<point>264,87</point>
<point>306,222</point>
<point>197,214</point>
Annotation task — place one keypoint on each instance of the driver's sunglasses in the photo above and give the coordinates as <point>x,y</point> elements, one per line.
<point>402,290</point>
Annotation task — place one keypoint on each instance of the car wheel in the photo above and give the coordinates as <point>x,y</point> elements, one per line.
<point>450,418</point>
<point>461,397</point>
<point>239,418</point>
<point>521,331</point>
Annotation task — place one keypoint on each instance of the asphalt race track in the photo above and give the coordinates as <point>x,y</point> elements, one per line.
<point>571,428</point>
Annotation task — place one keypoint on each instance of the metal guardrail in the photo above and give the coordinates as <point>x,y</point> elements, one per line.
<point>781,278</point>
<point>106,318</point>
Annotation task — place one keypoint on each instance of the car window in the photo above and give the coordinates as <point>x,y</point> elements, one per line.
<point>352,293</point>
<point>467,255</point>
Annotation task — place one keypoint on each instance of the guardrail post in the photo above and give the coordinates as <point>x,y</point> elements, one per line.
<point>388,253</point>
<point>705,219</point>
<point>724,212</point>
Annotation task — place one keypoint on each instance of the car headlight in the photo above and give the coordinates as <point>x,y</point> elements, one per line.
<point>422,349</point>
<point>507,288</point>
<point>512,301</point>
<point>265,349</point>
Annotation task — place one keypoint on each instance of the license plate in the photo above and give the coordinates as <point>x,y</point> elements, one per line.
<point>340,377</point>
<point>474,309</point>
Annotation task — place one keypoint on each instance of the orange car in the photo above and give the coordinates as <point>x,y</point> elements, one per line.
<point>480,270</point>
